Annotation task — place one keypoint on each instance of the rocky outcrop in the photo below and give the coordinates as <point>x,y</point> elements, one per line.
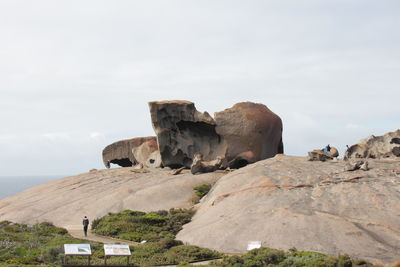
<point>182,131</point>
<point>387,145</point>
<point>129,152</point>
<point>320,155</point>
<point>243,134</point>
<point>287,202</point>
<point>201,166</point>
<point>356,165</point>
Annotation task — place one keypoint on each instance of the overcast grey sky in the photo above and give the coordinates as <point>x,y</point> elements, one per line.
<point>76,76</point>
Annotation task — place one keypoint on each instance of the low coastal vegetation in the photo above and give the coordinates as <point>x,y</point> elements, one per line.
<point>157,231</point>
<point>267,257</point>
<point>140,226</point>
<point>42,244</point>
<point>202,190</point>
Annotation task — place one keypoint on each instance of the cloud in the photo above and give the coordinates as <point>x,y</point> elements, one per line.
<point>57,136</point>
<point>76,76</point>
<point>96,135</point>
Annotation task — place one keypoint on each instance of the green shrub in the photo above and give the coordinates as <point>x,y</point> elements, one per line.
<point>31,245</point>
<point>138,226</point>
<point>263,257</point>
<point>202,190</point>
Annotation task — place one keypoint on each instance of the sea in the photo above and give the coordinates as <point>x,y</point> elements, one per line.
<point>10,185</point>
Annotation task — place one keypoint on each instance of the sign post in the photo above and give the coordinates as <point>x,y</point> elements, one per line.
<point>116,250</point>
<point>77,250</point>
<point>253,244</point>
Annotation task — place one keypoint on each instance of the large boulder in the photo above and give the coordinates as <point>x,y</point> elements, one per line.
<point>250,132</point>
<point>242,134</point>
<point>387,145</point>
<point>129,152</point>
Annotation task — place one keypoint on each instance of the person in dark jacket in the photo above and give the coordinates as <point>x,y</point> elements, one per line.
<point>85,223</point>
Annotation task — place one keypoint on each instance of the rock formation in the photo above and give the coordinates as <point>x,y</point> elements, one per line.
<point>243,134</point>
<point>387,145</point>
<point>320,155</point>
<point>201,166</point>
<point>356,165</point>
<point>130,152</point>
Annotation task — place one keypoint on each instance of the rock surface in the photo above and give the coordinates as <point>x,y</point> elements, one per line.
<point>387,145</point>
<point>243,134</point>
<point>129,152</point>
<point>65,201</point>
<point>290,202</point>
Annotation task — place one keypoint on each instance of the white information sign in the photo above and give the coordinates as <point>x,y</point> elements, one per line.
<point>116,250</point>
<point>253,244</point>
<point>77,249</point>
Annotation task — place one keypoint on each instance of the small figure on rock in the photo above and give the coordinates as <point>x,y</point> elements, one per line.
<point>85,223</point>
<point>327,153</point>
<point>327,148</point>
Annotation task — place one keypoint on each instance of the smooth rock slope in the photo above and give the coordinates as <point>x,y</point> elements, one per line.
<point>64,202</point>
<point>288,202</point>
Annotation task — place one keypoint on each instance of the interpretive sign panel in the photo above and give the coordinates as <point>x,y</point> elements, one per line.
<point>253,244</point>
<point>116,250</point>
<point>77,249</point>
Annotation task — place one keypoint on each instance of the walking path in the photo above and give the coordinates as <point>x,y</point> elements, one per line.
<point>78,233</point>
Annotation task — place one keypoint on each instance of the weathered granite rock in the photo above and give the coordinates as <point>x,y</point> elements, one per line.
<point>95,194</point>
<point>387,145</point>
<point>320,155</point>
<point>356,165</point>
<point>287,202</point>
<point>250,132</point>
<point>243,134</point>
<point>129,152</point>
<point>201,166</point>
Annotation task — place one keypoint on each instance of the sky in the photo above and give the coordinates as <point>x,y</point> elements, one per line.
<point>76,76</point>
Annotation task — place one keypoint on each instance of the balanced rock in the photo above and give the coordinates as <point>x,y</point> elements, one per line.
<point>129,152</point>
<point>387,145</point>
<point>243,134</point>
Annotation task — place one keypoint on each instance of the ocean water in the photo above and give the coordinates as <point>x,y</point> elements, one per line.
<point>10,185</point>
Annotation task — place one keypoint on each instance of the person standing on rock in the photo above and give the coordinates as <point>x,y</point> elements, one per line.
<point>85,223</point>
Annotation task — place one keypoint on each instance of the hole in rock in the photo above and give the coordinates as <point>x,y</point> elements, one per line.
<point>396,151</point>
<point>395,141</point>
<point>200,136</point>
<point>152,161</point>
<point>125,162</point>
<point>240,163</point>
